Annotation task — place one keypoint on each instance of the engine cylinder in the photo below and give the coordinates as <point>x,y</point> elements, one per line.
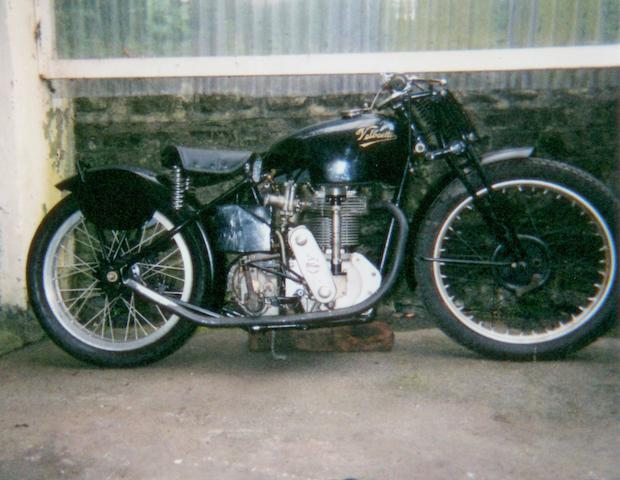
<point>319,219</point>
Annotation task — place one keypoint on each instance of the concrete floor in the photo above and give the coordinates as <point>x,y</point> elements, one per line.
<point>427,410</point>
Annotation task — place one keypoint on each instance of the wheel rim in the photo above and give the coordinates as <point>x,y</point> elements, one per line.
<point>581,263</point>
<point>105,317</point>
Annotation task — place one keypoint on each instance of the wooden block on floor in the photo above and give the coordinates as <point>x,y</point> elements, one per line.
<point>368,337</point>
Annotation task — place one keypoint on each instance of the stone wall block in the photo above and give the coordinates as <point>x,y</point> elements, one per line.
<point>152,104</point>
<point>514,97</point>
<point>285,104</point>
<point>97,105</point>
<point>220,104</point>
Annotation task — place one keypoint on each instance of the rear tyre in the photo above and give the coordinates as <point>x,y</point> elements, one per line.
<point>99,321</point>
<point>558,298</point>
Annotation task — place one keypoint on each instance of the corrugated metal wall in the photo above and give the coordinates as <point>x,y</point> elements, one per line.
<point>127,28</point>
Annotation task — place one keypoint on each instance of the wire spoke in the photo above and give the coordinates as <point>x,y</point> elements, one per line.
<point>138,313</point>
<point>92,319</point>
<point>460,237</point>
<point>85,271</point>
<point>62,290</point>
<point>84,230</point>
<point>163,274</point>
<point>87,245</point>
<point>123,239</point>
<point>132,314</point>
<point>151,266</point>
<point>141,241</point>
<point>158,230</point>
<point>103,323</point>
<point>146,320</point>
<point>530,216</point>
<point>111,322</point>
<point>84,295</point>
<point>164,318</point>
<point>80,260</point>
<point>129,308</point>
<point>79,310</point>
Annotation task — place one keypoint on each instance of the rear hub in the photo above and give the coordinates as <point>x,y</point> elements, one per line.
<point>110,281</point>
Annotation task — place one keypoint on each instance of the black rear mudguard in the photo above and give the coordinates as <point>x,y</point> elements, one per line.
<point>123,198</point>
<point>119,198</point>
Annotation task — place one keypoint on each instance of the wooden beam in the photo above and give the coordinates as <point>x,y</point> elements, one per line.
<point>544,58</point>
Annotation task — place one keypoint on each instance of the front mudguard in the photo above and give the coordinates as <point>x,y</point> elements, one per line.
<point>118,198</point>
<point>437,187</point>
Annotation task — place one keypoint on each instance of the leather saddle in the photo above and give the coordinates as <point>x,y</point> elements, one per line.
<point>207,161</point>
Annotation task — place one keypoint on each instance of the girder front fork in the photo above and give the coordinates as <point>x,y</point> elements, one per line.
<point>487,205</point>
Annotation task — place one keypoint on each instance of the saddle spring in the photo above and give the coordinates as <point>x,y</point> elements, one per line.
<point>180,185</point>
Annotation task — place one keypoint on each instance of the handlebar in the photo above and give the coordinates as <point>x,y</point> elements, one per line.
<point>400,85</point>
<point>396,82</point>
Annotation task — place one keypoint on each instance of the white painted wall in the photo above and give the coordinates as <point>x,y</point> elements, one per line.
<point>26,172</point>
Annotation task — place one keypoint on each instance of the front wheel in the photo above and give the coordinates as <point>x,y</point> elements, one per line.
<point>557,297</point>
<point>81,302</point>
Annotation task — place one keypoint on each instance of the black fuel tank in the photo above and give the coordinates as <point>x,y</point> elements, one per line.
<point>366,148</point>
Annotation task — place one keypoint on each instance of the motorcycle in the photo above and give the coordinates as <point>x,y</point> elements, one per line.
<point>514,255</point>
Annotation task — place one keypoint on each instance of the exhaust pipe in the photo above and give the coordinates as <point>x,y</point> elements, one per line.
<point>209,318</point>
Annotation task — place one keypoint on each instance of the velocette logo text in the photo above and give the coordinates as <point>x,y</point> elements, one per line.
<point>367,136</point>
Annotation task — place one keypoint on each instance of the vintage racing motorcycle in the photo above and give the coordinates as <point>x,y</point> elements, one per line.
<point>514,255</point>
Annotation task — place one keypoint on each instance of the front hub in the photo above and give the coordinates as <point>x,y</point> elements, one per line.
<point>527,274</point>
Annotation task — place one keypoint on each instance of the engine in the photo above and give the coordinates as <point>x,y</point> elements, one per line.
<point>314,265</point>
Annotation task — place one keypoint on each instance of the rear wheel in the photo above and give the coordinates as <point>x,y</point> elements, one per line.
<point>556,298</point>
<point>81,302</point>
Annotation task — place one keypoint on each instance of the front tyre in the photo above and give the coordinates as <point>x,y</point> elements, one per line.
<point>98,320</point>
<point>558,297</point>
